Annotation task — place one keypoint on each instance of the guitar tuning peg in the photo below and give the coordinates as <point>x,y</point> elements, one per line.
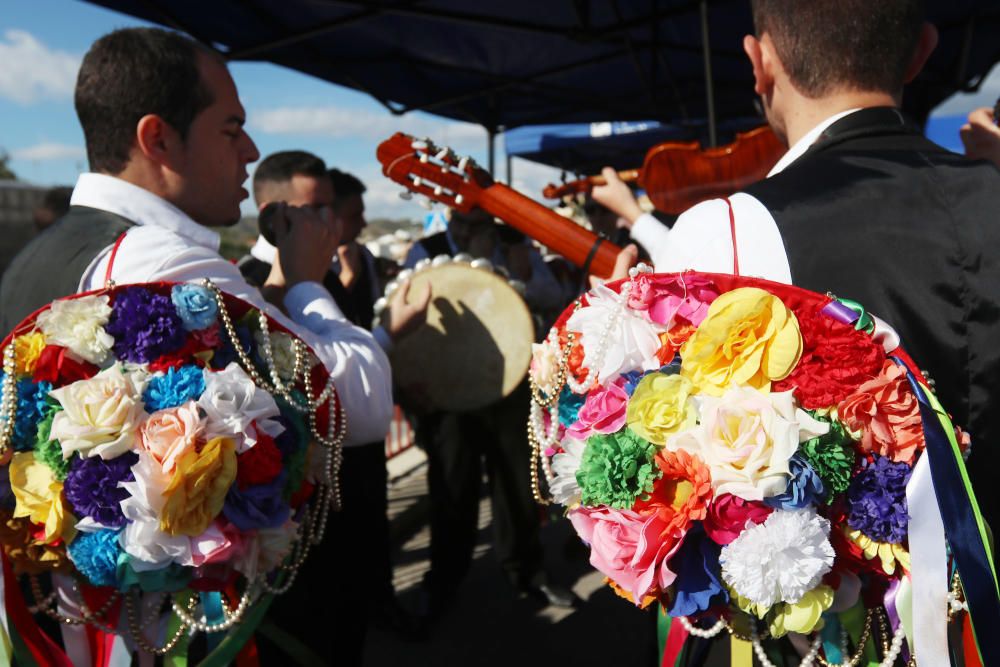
<point>424,158</point>
<point>427,203</point>
<point>418,144</point>
<point>438,190</point>
<point>463,163</point>
<point>417,181</point>
<point>459,199</point>
<point>442,154</point>
<point>406,195</point>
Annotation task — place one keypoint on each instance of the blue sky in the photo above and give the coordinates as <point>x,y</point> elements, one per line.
<point>42,42</point>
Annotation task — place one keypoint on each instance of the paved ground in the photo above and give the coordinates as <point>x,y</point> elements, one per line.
<point>488,626</point>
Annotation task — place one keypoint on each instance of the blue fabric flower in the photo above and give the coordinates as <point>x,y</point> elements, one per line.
<point>33,406</point>
<point>698,585</point>
<point>91,487</point>
<point>145,326</point>
<point>258,506</point>
<point>195,305</point>
<point>96,556</point>
<point>805,487</point>
<point>175,387</point>
<point>877,500</point>
<point>569,406</point>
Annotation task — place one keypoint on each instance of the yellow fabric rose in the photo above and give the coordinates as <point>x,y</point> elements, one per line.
<point>804,616</point>
<point>38,496</point>
<point>749,337</point>
<point>197,491</point>
<point>27,349</point>
<point>660,406</point>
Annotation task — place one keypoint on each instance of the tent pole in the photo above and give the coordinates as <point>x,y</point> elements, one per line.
<point>706,49</point>
<point>510,169</point>
<point>491,149</point>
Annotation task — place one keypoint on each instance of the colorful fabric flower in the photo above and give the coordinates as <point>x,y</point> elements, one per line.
<point>174,387</point>
<point>661,405</point>
<point>749,338</point>
<point>603,411</point>
<point>91,487</point>
<point>779,560</point>
<point>100,416</point>
<point>682,493</point>
<point>195,306</point>
<point>49,451</point>
<point>27,349</point>
<point>877,500</point>
<point>145,325</point>
<point>236,408</point>
<point>630,548</point>
<point>886,413</point>
<point>149,548</point>
<point>564,488</point>
<point>616,469</point>
<point>27,554</point>
<point>259,464</point>
<point>544,368</point>
<point>804,616</point>
<point>226,354</point>
<point>665,299</point>
<point>282,351</point>
<point>33,406</point>
<point>96,556</point>
<point>569,406</point>
<point>746,439</point>
<point>836,360</point>
<point>728,516</point>
<point>197,491</point>
<point>264,549</point>
<point>883,556</point>
<point>258,506</point>
<point>220,543</point>
<point>170,434</point>
<point>39,497</point>
<point>698,585</point>
<point>804,487</point>
<point>57,366</point>
<point>630,342</point>
<point>79,324</point>
<point>832,456</point>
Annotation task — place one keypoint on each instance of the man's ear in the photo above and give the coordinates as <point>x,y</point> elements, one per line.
<point>156,139</point>
<point>926,44</point>
<point>759,60</point>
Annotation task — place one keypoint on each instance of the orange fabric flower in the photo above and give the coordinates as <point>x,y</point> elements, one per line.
<point>682,493</point>
<point>575,362</point>
<point>672,340</point>
<point>886,413</point>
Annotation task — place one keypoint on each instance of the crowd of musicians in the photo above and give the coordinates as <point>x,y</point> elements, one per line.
<point>861,204</point>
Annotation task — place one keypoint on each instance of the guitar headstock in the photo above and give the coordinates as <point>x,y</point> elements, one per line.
<point>432,171</point>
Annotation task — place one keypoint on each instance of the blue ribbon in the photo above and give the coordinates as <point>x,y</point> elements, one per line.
<point>211,604</point>
<point>958,511</point>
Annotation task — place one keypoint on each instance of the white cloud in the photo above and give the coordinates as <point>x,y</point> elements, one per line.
<point>963,103</point>
<point>46,151</point>
<point>340,122</point>
<point>32,71</point>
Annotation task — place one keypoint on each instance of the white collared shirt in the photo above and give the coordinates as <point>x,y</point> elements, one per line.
<point>167,245</point>
<point>701,238</point>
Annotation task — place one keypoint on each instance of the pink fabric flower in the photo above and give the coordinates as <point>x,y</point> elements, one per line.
<point>169,434</point>
<point>665,298</point>
<point>220,543</point>
<point>629,548</point>
<point>603,411</point>
<point>728,516</point>
<point>886,412</point>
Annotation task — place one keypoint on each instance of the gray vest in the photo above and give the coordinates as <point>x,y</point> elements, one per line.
<point>51,265</point>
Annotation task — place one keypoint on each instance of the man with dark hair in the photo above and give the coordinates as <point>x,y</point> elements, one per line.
<point>862,205</point>
<point>55,204</point>
<point>164,130</point>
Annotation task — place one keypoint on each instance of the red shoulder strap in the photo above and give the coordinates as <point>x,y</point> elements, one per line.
<point>118,242</point>
<point>732,231</point>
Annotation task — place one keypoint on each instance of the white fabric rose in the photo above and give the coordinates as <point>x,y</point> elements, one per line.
<point>232,403</point>
<point>78,325</point>
<point>564,487</point>
<point>746,437</point>
<point>264,549</point>
<point>282,352</point>
<point>142,539</point>
<point>100,415</point>
<point>631,343</point>
<point>544,364</point>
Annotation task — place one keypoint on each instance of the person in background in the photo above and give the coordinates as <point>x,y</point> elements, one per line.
<point>981,135</point>
<point>55,204</point>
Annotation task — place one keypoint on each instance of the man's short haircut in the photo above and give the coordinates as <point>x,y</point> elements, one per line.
<point>830,44</point>
<point>345,185</point>
<point>277,169</point>
<point>128,74</point>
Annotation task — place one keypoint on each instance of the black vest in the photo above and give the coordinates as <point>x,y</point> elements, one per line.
<point>51,265</point>
<point>877,213</point>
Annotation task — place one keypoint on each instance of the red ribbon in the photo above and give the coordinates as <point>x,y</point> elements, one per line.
<point>42,648</point>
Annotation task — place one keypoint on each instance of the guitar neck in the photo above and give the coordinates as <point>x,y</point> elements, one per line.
<point>552,230</point>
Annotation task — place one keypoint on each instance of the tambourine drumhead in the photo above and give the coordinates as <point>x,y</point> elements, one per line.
<point>476,345</point>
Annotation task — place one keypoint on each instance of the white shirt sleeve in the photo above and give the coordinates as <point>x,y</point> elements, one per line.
<point>702,240</point>
<point>357,364</point>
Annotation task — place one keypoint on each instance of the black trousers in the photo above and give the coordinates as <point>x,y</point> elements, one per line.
<point>326,610</point>
<point>458,445</point>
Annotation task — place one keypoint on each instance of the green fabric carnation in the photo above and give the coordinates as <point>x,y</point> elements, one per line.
<point>50,451</point>
<point>616,469</point>
<point>831,456</point>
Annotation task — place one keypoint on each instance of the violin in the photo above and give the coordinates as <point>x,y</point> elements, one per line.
<point>458,182</point>
<point>676,175</point>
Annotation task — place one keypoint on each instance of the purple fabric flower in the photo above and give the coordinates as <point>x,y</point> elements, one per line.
<point>258,506</point>
<point>877,500</point>
<point>91,487</point>
<point>805,487</point>
<point>698,585</point>
<point>145,326</point>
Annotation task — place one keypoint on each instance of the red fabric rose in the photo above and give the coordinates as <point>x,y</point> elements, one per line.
<point>56,365</point>
<point>260,464</point>
<point>186,355</point>
<point>836,358</point>
<point>728,515</point>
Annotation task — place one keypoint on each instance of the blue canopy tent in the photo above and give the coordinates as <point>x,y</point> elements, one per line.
<point>507,64</point>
